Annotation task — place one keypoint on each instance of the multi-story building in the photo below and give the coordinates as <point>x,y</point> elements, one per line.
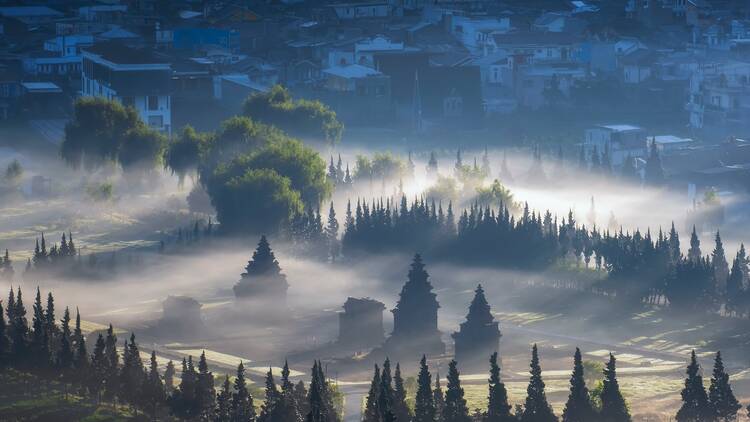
<point>719,100</point>
<point>134,77</point>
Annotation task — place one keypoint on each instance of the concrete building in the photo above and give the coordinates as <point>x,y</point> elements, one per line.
<point>134,77</point>
<point>622,140</point>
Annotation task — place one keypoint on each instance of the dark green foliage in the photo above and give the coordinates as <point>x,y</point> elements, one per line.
<point>498,408</point>
<point>695,406</point>
<point>153,394</point>
<point>654,175</point>
<point>724,405</point>
<point>455,409</point>
<point>424,402</point>
<point>372,405</point>
<point>65,354</point>
<point>104,130</point>
<point>579,407</point>
<point>614,408</point>
<point>111,362</point>
<point>132,373</point>
<point>385,395</point>
<point>438,399</point>
<point>536,408</point>
<point>242,408</point>
<point>399,407</point>
<point>302,118</point>
<point>185,152</point>
<point>270,410</point>
<point>223,402</point>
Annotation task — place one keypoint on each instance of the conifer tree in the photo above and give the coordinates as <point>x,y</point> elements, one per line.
<point>386,394</point>
<point>18,326</point>
<point>578,408</point>
<point>65,355</point>
<point>39,340</point>
<point>400,409</point>
<point>153,393</point>
<point>269,410</point>
<point>720,265</point>
<point>536,408</point>
<point>722,402</point>
<point>289,410</point>
<point>98,373</point>
<point>111,360</point>
<point>695,406</point>
<point>224,402</point>
<point>498,409</point>
<point>654,175</point>
<point>131,373</point>
<point>424,403</point>
<point>7,267</point>
<point>694,253</point>
<point>372,405</point>
<point>455,409</point>
<point>614,408</point>
<point>242,408</point>
<point>300,398</point>
<point>80,360</point>
<point>4,340</point>
<point>332,232</point>
<point>439,399</point>
<point>205,392</point>
<point>169,372</point>
<point>184,402</point>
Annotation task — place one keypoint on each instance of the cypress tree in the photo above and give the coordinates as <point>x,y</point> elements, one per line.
<point>98,373</point>
<point>614,408</point>
<point>455,409</point>
<point>536,408</point>
<point>269,407</point>
<point>400,409</point>
<point>205,392</point>
<point>424,402</point>
<point>719,264</point>
<point>372,408</point>
<point>385,398</point>
<point>80,359</point>
<point>332,232</point>
<point>694,253</point>
<point>498,409</point>
<point>131,373</point>
<point>724,405</point>
<point>65,355</point>
<point>695,406</point>
<point>169,377</point>
<point>287,409</point>
<point>19,327</point>
<point>111,360</point>
<point>439,399</point>
<point>300,397</point>
<point>578,408</point>
<point>243,409</point>
<point>4,340</point>
<point>153,391</point>
<point>224,402</point>
<point>39,340</point>
<point>184,402</point>
<point>654,174</point>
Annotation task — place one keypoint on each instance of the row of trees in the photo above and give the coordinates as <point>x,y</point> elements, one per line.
<point>639,267</point>
<point>54,350</point>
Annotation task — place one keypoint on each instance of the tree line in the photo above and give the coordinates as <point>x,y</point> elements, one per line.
<point>57,350</point>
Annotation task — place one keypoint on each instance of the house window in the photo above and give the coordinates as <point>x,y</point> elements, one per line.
<point>153,102</point>
<point>156,121</point>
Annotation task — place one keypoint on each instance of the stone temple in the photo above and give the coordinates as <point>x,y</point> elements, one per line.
<point>263,278</point>
<point>479,336</point>
<point>361,324</point>
<point>415,323</point>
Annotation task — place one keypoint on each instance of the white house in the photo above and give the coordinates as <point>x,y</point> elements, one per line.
<point>134,77</point>
<point>623,140</point>
<point>476,33</point>
<point>366,49</point>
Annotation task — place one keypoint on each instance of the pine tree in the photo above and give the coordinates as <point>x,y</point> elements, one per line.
<point>455,409</point>
<point>131,373</point>
<point>242,402</point>
<point>439,399</point>
<point>80,360</point>
<point>424,402</point>
<point>7,267</point>
<point>695,406</point>
<point>536,408</point>
<point>184,402</point>
<point>111,360</point>
<point>498,409</point>
<point>720,265</point>
<point>332,232</point>
<point>224,402</point>
<point>39,340</point>
<point>694,253</point>
<point>169,373</point>
<point>654,175</point>
<point>578,408</point>
<point>300,398</point>
<point>372,405</point>
<point>385,397</point>
<point>269,410</point>
<point>205,392</point>
<point>98,373</point>
<point>399,409</point>
<point>614,408</point>
<point>722,402</point>
<point>153,393</point>
<point>4,340</point>
<point>65,355</point>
